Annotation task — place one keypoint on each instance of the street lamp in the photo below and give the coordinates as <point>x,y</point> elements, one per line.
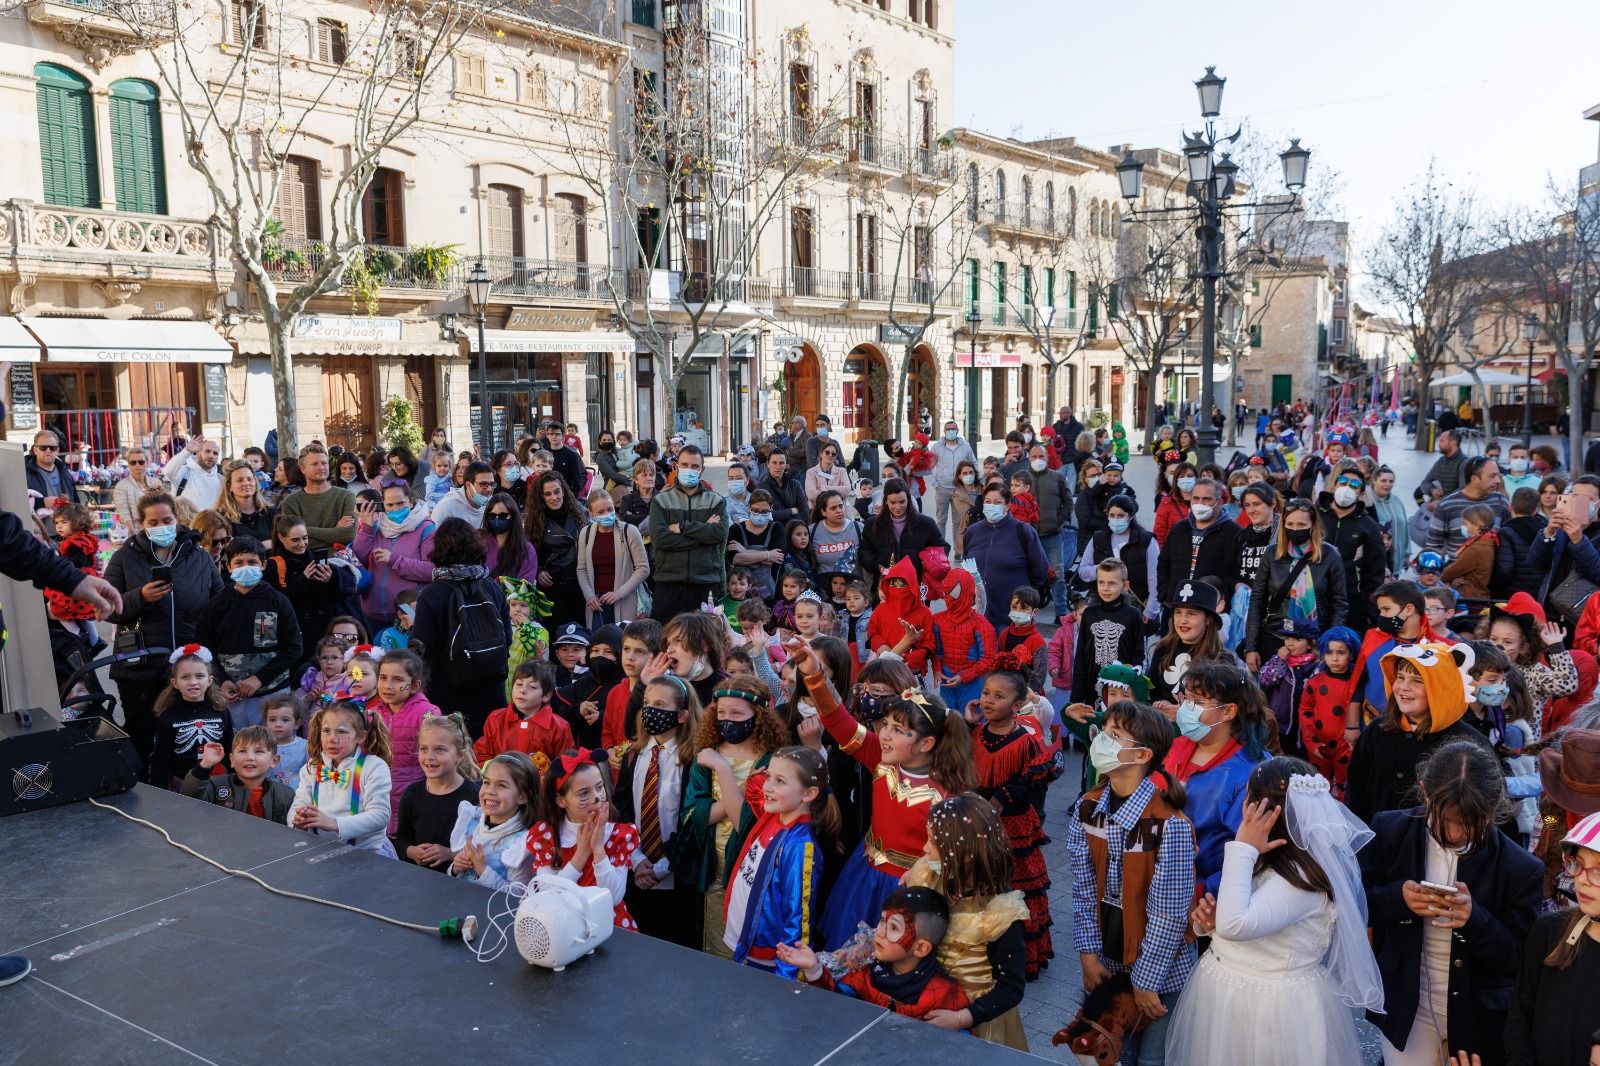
<point>1210,90</point>
<point>478,287</point>
<point>1530,333</point>
<point>1130,176</point>
<point>974,320</point>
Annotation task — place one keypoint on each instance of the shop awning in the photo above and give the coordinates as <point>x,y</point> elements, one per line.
<point>532,340</point>
<point>135,340</point>
<point>17,345</point>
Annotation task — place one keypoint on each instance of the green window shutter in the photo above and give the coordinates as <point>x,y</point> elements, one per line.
<point>1255,335</point>
<point>71,166</point>
<point>1072,290</point>
<point>136,148</point>
<point>1027,286</point>
<point>1049,286</point>
<point>973,282</point>
<point>1111,306</point>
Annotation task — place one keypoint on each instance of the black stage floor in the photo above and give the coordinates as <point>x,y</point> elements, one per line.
<point>143,954</point>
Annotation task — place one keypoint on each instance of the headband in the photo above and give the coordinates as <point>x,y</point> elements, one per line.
<point>760,699</point>
<point>675,679</point>
<point>344,695</point>
<point>191,651</point>
<point>569,763</point>
<point>915,697</point>
<point>808,594</point>
<point>366,651</point>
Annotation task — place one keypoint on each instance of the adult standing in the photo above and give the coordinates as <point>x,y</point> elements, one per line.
<point>1302,577</point>
<point>1200,545</point>
<point>510,477</point>
<point>468,501</point>
<point>605,460</point>
<point>962,500</point>
<point>689,533</point>
<point>1007,552</point>
<point>757,543</point>
<point>634,507</point>
<point>738,496</point>
<point>1057,535</point>
<point>242,504</point>
<point>438,444</point>
<point>162,611</point>
<point>1067,427</point>
<point>835,536</point>
<point>1356,539</point>
<point>553,521</point>
<point>788,494</point>
<point>826,473</point>
<point>507,552</point>
<point>319,589</point>
<point>1570,548</point>
<point>824,430</point>
<point>193,473</point>
<point>404,465</point>
<point>1016,457</point>
<point>125,495</point>
<point>1447,469</point>
<point>328,511</point>
<point>394,544</point>
<point>566,460</point>
<point>1480,483</point>
<point>1094,492</point>
<point>457,613</point>
<point>612,564</point>
<point>899,531</point>
<point>796,449</point>
<point>1389,511</point>
<point>949,453</point>
<point>47,475</point>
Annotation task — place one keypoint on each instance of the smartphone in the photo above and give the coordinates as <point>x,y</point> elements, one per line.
<point>319,555</point>
<point>1436,888</point>
<point>161,572</point>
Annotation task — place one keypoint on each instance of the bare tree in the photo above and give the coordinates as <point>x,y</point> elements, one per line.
<point>1418,271</point>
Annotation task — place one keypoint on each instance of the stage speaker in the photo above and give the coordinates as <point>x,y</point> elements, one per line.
<point>45,762</point>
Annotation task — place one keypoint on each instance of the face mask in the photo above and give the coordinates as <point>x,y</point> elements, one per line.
<point>760,519</point>
<point>1020,618</point>
<point>969,479</point>
<point>1594,508</point>
<point>1105,754</point>
<point>1344,496</point>
<point>1189,723</point>
<point>1391,624</point>
<point>162,536</point>
<point>1519,466</point>
<point>735,732</point>
<point>607,445</point>
<point>736,488</point>
<point>606,521</point>
<point>1038,465</point>
<point>869,707</point>
<point>1119,525</point>
<point>1202,512</point>
<point>1186,484</point>
<point>658,720</point>
<point>477,500</point>
<point>823,431</point>
<point>497,523</point>
<point>1298,537</point>
<point>1493,695</point>
<point>409,610</point>
<point>1272,445</point>
<point>399,516</point>
<point>1027,438</point>
<point>689,478</point>
<point>697,669</point>
<point>951,434</point>
<point>512,473</point>
<point>993,512</point>
<point>247,577</point>
<point>1092,480</point>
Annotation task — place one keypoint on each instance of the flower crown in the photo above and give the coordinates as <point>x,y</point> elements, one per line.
<point>1309,783</point>
<point>191,651</point>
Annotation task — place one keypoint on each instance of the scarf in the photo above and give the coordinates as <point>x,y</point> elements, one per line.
<point>1179,758</point>
<point>486,836</point>
<point>391,529</point>
<point>905,987</point>
<point>1302,599</point>
<point>468,572</point>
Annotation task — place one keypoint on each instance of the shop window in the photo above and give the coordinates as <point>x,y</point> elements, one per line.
<point>66,138</point>
<point>136,149</point>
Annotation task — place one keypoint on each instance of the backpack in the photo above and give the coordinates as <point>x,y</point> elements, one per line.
<point>477,644</point>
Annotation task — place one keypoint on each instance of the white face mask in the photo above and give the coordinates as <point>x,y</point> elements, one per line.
<point>1202,512</point>
<point>1038,465</point>
<point>1344,496</point>
<point>1092,480</point>
<point>1021,618</point>
<point>1105,754</point>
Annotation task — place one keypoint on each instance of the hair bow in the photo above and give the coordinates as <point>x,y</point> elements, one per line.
<point>191,651</point>
<point>573,761</point>
<point>366,651</point>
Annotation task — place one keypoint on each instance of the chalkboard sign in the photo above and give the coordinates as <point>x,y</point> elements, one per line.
<point>501,421</point>
<point>216,392</point>
<point>24,397</point>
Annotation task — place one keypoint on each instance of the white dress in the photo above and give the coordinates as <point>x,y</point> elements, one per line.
<point>1261,995</point>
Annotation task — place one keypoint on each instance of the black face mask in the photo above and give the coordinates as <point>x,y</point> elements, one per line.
<point>609,671</point>
<point>869,708</point>
<point>497,523</point>
<point>1298,537</point>
<point>735,732</point>
<point>606,445</point>
<point>658,720</point>
<point>1391,624</point>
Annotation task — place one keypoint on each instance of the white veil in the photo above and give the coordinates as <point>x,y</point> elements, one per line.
<point>1331,835</point>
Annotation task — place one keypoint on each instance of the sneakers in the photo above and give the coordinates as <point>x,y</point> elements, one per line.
<point>14,968</point>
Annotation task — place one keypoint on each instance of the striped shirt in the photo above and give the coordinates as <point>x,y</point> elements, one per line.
<point>1444,529</point>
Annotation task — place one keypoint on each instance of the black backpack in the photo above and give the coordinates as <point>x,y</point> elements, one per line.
<point>477,644</point>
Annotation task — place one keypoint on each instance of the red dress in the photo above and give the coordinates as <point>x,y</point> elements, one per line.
<point>1322,704</point>
<point>622,841</point>
<point>1013,771</point>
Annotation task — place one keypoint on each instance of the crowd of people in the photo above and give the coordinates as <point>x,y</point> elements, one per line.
<point>1338,755</point>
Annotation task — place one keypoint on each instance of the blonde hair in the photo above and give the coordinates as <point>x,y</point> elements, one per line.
<point>225,505</point>
<point>456,727</point>
<point>372,736</point>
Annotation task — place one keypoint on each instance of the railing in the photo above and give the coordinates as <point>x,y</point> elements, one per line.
<point>813,283</point>
<point>390,266</point>
<point>1024,216</point>
<point>104,432</point>
<point>1028,318</point>
<point>550,278</point>
<point>874,149</point>
<point>132,19</point>
<point>1589,176</point>
<point>696,288</point>
<point>26,225</point>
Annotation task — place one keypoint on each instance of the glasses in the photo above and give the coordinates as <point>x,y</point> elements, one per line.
<point>1578,872</point>
<point>219,542</point>
<point>47,447</point>
<point>1354,483</point>
<point>138,462</point>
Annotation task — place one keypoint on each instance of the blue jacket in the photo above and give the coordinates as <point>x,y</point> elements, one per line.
<point>783,898</point>
<point>1216,807</point>
<point>1009,555</point>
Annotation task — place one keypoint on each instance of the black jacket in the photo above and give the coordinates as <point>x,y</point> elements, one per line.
<point>880,550</point>
<point>788,498</point>
<point>1512,572</point>
<point>257,525</point>
<point>1383,767</point>
<point>252,633</point>
<point>1218,556</point>
<point>569,465</point>
<point>24,557</point>
<point>1134,556</point>
<point>37,483</point>
<point>435,622</point>
<point>170,621</point>
<point>1055,501</point>
<point>1555,1013</point>
<point>606,463</point>
<point>1090,508</point>
<point>1107,633</point>
<point>1270,593</point>
<point>1358,539</point>
<point>1505,883</point>
<point>316,603</point>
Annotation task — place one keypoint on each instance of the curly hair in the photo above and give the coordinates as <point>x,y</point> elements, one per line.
<point>769,735</point>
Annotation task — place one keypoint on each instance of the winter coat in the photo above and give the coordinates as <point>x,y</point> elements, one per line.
<point>817,482</point>
<point>170,621</point>
<point>1055,502</point>
<point>1391,517</point>
<point>408,567</point>
<point>125,498</point>
<point>606,462</point>
<point>788,498</point>
<point>1269,598</point>
<point>254,633</point>
<point>403,725</point>
<point>316,603</point>
<point>632,567</point>
<point>37,483</point>
<point>1009,556</point>
<point>1472,567</point>
<point>880,549</point>
<point>1359,542</point>
<point>1511,557</point>
<point>1218,556</point>
<point>1169,513</point>
<point>696,554</point>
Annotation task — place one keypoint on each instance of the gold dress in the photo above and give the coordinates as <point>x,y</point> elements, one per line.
<point>711,940</point>
<point>964,952</point>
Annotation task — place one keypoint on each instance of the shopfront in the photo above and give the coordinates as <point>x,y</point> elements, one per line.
<point>992,387</point>
<point>539,375</point>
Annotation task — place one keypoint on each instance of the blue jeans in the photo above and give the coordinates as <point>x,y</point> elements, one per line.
<point>1149,1047</point>
<point>1060,551</point>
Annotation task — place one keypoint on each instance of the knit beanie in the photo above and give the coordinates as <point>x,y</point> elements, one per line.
<point>1445,678</point>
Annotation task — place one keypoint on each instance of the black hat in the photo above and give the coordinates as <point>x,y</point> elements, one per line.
<point>571,633</point>
<point>1200,595</point>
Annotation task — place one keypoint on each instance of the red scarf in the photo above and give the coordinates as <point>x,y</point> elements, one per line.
<point>253,804</point>
<point>1178,761</point>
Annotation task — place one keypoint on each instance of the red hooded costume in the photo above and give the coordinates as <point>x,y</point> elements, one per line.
<point>901,605</point>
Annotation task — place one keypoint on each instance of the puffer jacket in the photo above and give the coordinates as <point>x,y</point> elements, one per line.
<point>1055,502</point>
<point>695,554</point>
<point>170,621</point>
<point>1327,581</point>
<point>408,566</point>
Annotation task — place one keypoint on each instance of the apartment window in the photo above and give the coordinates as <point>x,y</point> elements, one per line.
<point>999,196</point>
<point>866,131</point>
<point>1111,304</point>
<point>867,255</point>
<point>644,13</point>
<point>1339,287</point>
<point>1027,200</point>
<point>67,146</point>
<point>1072,211</point>
<point>572,230</point>
<point>299,204</point>
<point>332,41</point>
<point>407,57</point>
<point>505,221</point>
<point>646,101</point>
<point>137,160</point>
<point>925,125</point>
<point>1050,205</point>
<point>1027,287</point>
<point>974,283</point>
<point>1072,290</point>
<point>248,23</point>
<point>649,236</point>
<point>383,208</point>
<point>1338,331</point>
<point>803,250</point>
<point>1049,286</point>
<point>1255,335</point>
<point>922,264</point>
<point>469,75</point>
<point>999,293</point>
<point>799,100</point>
<point>923,11</point>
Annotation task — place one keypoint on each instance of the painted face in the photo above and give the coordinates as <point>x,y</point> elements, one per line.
<point>338,735</point>
<point>395,684</point>
<point>363,674</point>
<point>901,745</point>
<point>584,795</point>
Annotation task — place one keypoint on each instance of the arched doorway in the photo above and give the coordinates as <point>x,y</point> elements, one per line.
<point>802,384</point>
<point>922,390</point>
<point>868,396</point>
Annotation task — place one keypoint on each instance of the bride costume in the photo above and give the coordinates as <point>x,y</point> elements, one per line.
<point>1285,965</point>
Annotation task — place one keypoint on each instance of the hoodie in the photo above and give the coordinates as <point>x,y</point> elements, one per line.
<point>404,722</point>
<point>898,608</point>
<point>192,482</point>
<point>252,633</point>
<point>964,643</point>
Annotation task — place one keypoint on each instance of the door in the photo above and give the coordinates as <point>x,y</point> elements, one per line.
<point>738,402</point>
<point>999,404</point>
<point>1282,389</point>
<point>348,404</point>
<point>802,231</point>
<point>505,225</point>
<point>259,401</point>
<point>299,205</point>
<point>422,392</point>
<point>597,402</point>
<point>803,387</point>
<point>383,209</point>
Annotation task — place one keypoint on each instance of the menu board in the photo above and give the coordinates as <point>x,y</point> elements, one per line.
<point>216,392</point>
<point>24,397</point>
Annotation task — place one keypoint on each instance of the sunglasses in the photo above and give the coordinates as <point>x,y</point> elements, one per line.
<point>1354,483</point>
<point>47,447</point>
<point>138,462</point>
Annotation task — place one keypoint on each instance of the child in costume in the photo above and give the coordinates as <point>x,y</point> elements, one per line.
<point>901,624</point>
<point>529,639</point>
<point>1119,443</point>
<point>1322,704</point>
<point>489,837</point>
<point>79,546</point>
<point>1283,678</point>
<point>577,838</point>
<point>1116,682</point>
<point>1111,630</point>
<point>1022,646</point>
<point>964,644</point>
<point>344,786</point>
<point>190,713</point>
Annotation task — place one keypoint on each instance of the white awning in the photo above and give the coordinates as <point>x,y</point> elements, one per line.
<point>1489,378</point>
<point>17,345</point>
<point>135,340</point>
<point>533,340</point>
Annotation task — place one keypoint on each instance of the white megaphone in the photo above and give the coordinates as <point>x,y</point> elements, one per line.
<point>559,921</point>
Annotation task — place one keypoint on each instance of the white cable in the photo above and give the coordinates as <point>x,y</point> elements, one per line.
<point>429,929</point>
<point>500,921</point>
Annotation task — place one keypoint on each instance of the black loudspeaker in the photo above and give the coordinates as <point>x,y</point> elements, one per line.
<point>45,762</point>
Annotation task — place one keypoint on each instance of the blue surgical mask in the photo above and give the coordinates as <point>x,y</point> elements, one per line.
<point>400,515</point>
<point>162,536</point>
<point>736,487</point>
<point>1494,695</point>
<point>951,434</point>
<point>993,512</point>
<point>247,577</point>
<point>689,477</point>
<point>1119,525</point>
<point>1186,484</point>
<point>1189,723</point>
<point>477,500</point>
<point>607,520</point>
<point>761,518</point>
<point>823,431</point>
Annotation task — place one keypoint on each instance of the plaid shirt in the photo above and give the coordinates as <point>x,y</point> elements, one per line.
<point>1165,960</point>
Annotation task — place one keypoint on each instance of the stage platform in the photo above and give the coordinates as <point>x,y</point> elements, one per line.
<point>143,954</point>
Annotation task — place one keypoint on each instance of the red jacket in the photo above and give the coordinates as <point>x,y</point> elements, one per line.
<point>1171,511</point>
<point>614,718</point>
<point>541,733</point>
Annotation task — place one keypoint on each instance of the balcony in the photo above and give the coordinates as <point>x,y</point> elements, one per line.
<point>103,30</point>
<point>1023,318</point>
<point>390,267</point>
<point>1589,177</point>
<point>870,148</point>
<point>40,239</point>
<point>811,283</point>
<point>548,279</point>
<point>1024,217</point>
<point>665,287</point>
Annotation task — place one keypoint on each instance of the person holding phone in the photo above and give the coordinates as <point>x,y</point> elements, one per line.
<point>1570,546</point>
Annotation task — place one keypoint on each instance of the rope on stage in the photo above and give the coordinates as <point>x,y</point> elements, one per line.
<point>449,929</point>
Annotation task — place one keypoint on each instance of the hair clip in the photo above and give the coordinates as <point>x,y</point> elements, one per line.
<point>191,651</point>
<point>575,761</point>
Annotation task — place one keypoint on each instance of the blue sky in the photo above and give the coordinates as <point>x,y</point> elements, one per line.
<point>1494,91</point>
